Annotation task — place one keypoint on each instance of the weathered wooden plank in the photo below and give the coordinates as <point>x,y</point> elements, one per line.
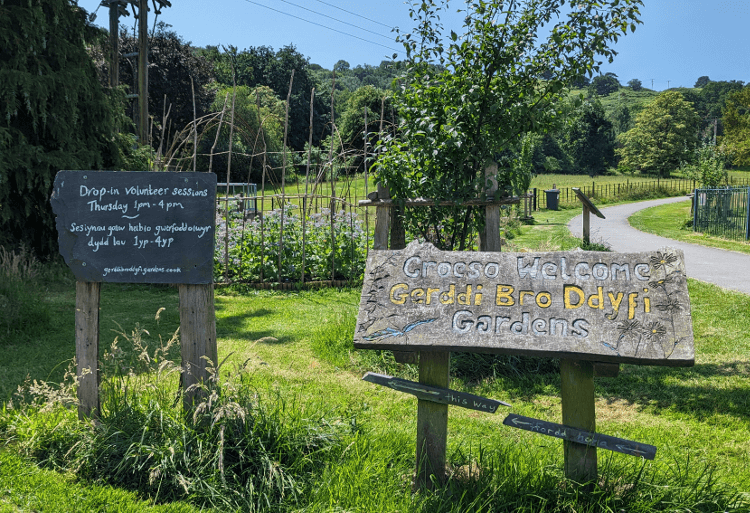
<point>87,348</point>
<point>432,421</point>
<point>197,337</point>
<point>586,305</point>
<point>582,437</point>
<point>578,412</point>
<point>436,394</point>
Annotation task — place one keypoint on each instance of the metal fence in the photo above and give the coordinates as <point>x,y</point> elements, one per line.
<point>723,212</point>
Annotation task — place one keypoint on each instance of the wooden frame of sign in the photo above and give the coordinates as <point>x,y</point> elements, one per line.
<point>139,227</point>
<point>581,307</point>
<point>588,208</point>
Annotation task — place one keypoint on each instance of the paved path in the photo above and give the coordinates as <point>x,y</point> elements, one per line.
<point>727,269</point>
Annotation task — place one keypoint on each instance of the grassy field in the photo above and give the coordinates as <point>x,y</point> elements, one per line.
<point>670,221</point>
<point>291,358</point>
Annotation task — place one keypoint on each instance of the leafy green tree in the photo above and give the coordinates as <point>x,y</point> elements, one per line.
<point>665,134</point>
<point>172,63</point>
<point>469,98</point>
<point>708,166</point>
<point>709,102</point>
<point>589,140</point>
<point>257,131</point>
<point>604,85</point>
<point>55,114</point>
<point>737,126</point>
<point>702,81</point>
<point>262,65</point>
<point>351,124</point>
<point>635,84</point>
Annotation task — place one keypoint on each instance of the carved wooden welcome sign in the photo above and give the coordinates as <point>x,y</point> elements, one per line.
<point>596,306</point>
<point>580,306</point>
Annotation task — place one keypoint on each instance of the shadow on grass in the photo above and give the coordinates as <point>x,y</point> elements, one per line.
<point>236,327</point>
<point>700,391</point>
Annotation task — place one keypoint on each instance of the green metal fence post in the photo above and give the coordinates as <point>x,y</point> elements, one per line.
<point>747,218</point>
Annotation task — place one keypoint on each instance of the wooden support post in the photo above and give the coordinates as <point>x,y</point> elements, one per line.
<point>382,221</point>
<point>114,43</point>
<point>432,421</point>
<point>586,226</point>
<point>87,348</point>
<point>489,239</point>
<point>198,338</point>
<point>578,411</point>
<point>143,72</point>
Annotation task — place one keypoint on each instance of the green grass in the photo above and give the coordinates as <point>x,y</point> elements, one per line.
<point>301,370</point>
<point>671,221</point>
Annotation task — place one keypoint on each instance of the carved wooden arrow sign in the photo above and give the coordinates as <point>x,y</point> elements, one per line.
<point>436,394</point>
<point>582,437</point>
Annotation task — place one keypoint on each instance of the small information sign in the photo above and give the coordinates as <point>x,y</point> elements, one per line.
<point>136,227</point>
<point>598,306</point>
<point>580,436</point>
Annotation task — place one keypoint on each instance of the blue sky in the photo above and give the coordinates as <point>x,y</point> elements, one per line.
<point>679,40</point>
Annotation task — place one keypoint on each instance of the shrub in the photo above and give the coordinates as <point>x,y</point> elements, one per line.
<point>23,309</point>
<point>254,246</point>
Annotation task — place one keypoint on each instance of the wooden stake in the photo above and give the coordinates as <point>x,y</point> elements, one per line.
<point>578,411</point>
<point>382,221</point>
<point>586,225</point>
<point>198,338</point>
<point>87,348</point>
<point>432,421</point>
<point>489,239</point>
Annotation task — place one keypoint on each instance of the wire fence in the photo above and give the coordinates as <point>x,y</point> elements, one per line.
<point>723,212</point>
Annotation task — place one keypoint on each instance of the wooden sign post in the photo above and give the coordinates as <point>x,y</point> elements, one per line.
<point>588,207</point>
<point>582,307</point>
<point>138,227</point>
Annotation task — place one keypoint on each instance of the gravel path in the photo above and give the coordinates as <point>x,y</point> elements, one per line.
<point>727,269</point>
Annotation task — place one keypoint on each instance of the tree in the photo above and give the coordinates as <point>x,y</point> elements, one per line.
<point>172,64</point>
<point>665,134</point>
<point>589,140</point>
<point>635,84</point>
<point>55,115</point>
<point>702,81</point>
<point>351,125</point>
<point>604,85</point>
<point>257,131</point>
<point>468,99</point>
<point>262,65</point>
<point>737,126</point>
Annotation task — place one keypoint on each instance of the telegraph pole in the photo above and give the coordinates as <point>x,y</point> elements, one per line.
<point>143,71</point>
<point>114,42</point>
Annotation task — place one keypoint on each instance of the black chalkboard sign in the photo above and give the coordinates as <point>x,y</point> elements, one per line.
<point>136,227</point>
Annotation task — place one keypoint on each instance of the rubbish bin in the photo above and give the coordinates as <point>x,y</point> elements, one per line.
<point>553,198</point>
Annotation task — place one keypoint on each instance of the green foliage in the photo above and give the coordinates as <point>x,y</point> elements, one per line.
<point>235,451</point>
<point>351,124</point>
<point>172,63</point>
<point>468,102</point>
<point>664,135</point>
<point>604,85</point>
<point>24,311</point>
<point>635,84</point>
<point>707,166</point>
<point>736,119</point>
<point>709,101</point>
<point>702,81</point>
<point>54,116</point>
<point>589,140</point>
<point>262,66</point>
<point>258,127</point>
<point>253,257</point>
